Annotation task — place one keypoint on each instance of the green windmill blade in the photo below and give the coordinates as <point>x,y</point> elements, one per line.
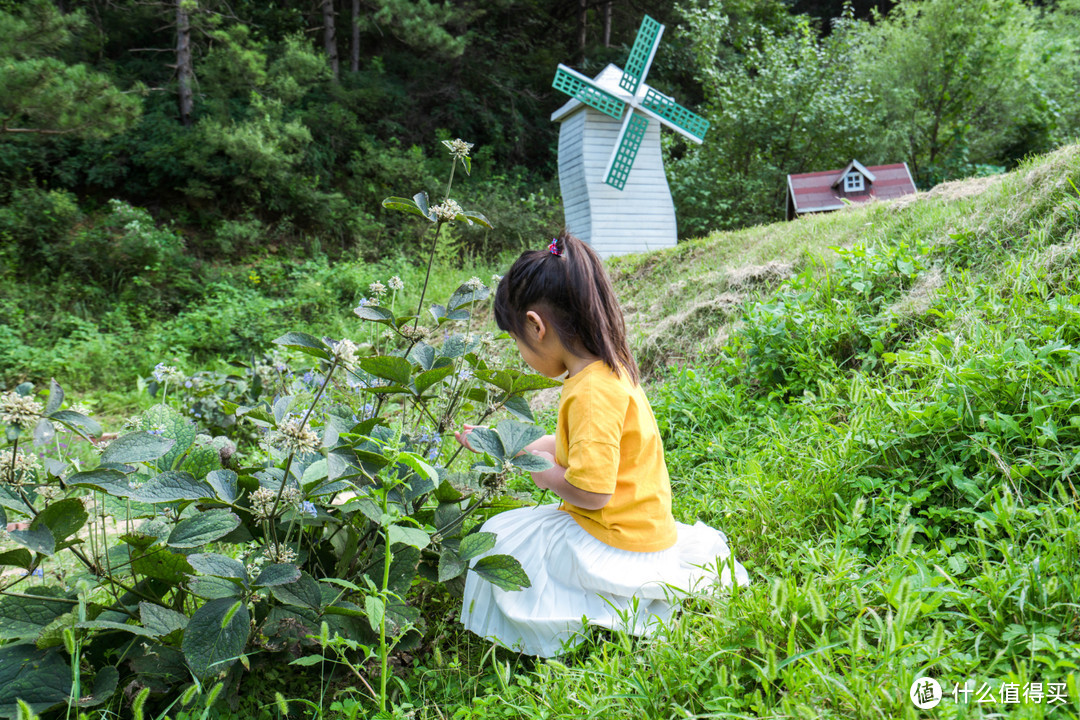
<point>675,115</point>
<point>584,89</point>
<point>630,137</point>
<point>641,55</point>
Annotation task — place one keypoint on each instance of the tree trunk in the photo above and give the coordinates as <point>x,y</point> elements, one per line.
<point>184,72</point>
<point>330,35</point>
<point>607,23</point>
<point>583,14</point>
<point>354,56</point>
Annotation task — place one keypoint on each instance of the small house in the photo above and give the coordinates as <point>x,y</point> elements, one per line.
<point>832,189</point>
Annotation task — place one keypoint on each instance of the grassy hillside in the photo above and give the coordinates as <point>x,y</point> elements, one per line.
<point>879,407</point>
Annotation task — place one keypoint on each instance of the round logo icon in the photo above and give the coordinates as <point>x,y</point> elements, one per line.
<point>925,693</point>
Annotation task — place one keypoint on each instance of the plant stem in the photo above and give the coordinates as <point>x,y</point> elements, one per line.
<point>431,259</point>
<point>383,650</point>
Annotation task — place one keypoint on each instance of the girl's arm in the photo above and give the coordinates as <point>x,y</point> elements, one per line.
<point>554,479</point>
<point>545,444</point>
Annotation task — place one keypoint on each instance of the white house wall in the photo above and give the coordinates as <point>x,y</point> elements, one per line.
<point>637,218</point>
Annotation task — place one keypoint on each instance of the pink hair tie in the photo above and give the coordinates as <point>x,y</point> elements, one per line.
<point>554,247</point>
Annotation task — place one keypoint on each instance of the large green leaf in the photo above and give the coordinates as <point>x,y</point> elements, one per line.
<point>77,422</point>
<point>160,620</point>
<point>502,571</point>
<point>26,615</point>
<point>107,480</point>
<point>465,295</point>
<point>516,435</point>
<point>56,397</point>
<point>170,424</point>
<point>426,379</point>
<point>514,382</point>
<point>203,528</point>
<point>305,343</point>
<point>162,564</point>
<point>409,206</point>
<point>376,610</point>
<point>531,463</point>
<point>40,678</point>
<point>374,313</point>
<point>476,544</point>
<point>303,593</point>
<point>201,461</point>
<point>224,483</point>
<point>277,574</point>
<point>39,539</point>
<point>487,441</point>
<point>474,217</point>
<point>218,565</point>
<point>450,565</point>
<point>20,558</point>
<point>519,408</point>
<point>216,636</point>
<point>412,536</point>
<point>171,486</point>
<point>397,370</point>
<point>136,447</point>
<point>63,518</point>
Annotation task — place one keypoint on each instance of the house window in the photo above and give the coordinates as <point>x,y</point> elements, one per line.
<point>853,182</point>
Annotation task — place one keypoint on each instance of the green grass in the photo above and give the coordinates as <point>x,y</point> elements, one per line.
<point>906,508</point>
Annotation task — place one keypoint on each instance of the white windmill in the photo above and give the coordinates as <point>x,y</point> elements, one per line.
<point>611,173</point>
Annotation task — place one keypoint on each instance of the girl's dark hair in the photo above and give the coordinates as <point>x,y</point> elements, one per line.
<point>572,291</point>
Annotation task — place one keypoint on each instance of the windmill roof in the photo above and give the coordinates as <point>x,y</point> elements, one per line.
<point>820,191</point>
<point>608,79</point>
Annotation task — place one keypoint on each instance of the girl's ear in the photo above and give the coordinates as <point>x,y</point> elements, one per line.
<point>536,324</point>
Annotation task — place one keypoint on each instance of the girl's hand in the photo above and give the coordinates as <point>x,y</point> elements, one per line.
<point>463,436</point>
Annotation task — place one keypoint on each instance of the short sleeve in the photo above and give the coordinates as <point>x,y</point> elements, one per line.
<point>593,466</point>
<point>594,416</point>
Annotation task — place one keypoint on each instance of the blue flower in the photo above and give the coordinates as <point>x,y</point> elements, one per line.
<point>309,507</point>
<point>309,378</point>
<point>433,453</point>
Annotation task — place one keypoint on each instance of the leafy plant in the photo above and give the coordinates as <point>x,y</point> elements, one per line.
<point>346,500</point>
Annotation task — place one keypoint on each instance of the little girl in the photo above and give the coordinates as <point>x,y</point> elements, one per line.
<point>611,553</point>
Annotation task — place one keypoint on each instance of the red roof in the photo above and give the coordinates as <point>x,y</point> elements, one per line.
<point>824,191</point>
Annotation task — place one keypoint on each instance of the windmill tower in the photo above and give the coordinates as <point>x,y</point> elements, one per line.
<point>611,173</point>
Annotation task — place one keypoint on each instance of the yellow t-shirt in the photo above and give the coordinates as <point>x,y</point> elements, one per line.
<point>606,438</point>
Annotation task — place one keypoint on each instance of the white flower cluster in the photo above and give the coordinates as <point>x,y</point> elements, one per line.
<point>415,333</point>
<point>279,553</point>
<point>293,437</point>
<point>167,373</point>
<point>377,289</point>
<point>475,284</point>
<point>21,410</point>
<point>262,502</point>
<point>17,467</point>
<point>458,148</point>
<point>447,211</point>
<point>496,279</point>
<point>345,352</point>
<point>396,284</point>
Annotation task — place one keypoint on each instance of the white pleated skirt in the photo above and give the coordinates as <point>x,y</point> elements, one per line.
<point>578,580</point>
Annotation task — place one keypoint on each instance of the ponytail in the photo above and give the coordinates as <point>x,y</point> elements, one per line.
<point>568,285</point>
